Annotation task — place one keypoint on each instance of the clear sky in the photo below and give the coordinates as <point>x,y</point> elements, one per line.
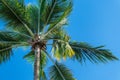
<point>94,21</point>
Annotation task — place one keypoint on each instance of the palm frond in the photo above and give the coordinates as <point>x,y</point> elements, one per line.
<point>55,65</point>
<point>43,75</point>
<point>14,13</point>
<point>22,2</point>
<point>62,50</point>
<point>32,11</point>
<point>57,71</point>
<point>84,51</point>
<point>55,75</point>
<point>39,9</point>
<point>5,52</point>
<point>57,31</point>
<point>35,12</point>
<point>55,11</point>
<point>8,41</point>
<point>42,11</point>
<point>35,17</point>
<point>12,37</point>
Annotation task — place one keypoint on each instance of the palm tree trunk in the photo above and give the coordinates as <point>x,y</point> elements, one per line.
<point>37,64</point>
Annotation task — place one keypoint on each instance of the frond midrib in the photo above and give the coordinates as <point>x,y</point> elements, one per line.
<point>31,33</point>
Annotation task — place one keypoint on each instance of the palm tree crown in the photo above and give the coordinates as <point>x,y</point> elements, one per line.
<point>39,25</point>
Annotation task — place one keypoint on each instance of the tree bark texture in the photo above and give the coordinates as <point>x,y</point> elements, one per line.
<point>37,64</point>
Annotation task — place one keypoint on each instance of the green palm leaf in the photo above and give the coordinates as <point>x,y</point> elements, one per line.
<point>62,50</point>
<point>8,36</point>
<point>43,75</point>
<point>58,31</point>
<point>55,11</point>
<point>33,17</point>
<point>5,52</point>
<point>60,47</point>
<point>21,1</point>
<point>84,51</point>
<point>8,41</point>
<point>55,75</point>
<point>17,18</point>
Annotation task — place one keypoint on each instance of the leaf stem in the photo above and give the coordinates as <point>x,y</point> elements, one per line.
<point>55,65</point>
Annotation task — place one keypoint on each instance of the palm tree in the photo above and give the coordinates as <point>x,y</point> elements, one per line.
<point>38,26</point>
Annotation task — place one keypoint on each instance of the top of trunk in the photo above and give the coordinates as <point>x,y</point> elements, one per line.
<point>38,42</point>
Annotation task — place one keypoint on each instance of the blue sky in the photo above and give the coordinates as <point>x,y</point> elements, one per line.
<point>94,21</point>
